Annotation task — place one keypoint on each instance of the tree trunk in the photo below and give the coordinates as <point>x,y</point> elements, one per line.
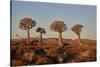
<point>60,44</point>
<point>28,37</point>
<point>41,37</point>
<point>79,39</point>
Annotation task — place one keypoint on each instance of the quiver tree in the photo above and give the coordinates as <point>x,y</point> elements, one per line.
<point>77,29</point>
<point>41,31</point>
<point>59,26</point>
<point>27,24</point>
<point>17,35</point>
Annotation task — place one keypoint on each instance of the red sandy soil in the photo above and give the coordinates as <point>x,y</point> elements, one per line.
<point>37,53</point>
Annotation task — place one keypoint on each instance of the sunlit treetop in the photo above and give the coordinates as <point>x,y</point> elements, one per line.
<point>77,28</point>
<point>27,23</point>
<point>58,26</point>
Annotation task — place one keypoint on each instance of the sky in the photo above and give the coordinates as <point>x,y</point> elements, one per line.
<point>45,13</point>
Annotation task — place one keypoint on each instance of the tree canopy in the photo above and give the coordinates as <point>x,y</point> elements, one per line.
<point>58,26</point>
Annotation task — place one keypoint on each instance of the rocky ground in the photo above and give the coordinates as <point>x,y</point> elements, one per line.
<point>37,53</point>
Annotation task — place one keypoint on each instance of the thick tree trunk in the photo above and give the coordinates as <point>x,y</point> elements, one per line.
<point>79,39</point>
<point>41,37</point>
<point>28,37</point>
<point>60,44</point>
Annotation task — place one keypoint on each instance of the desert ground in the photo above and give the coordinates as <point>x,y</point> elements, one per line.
<point>48,52</point>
